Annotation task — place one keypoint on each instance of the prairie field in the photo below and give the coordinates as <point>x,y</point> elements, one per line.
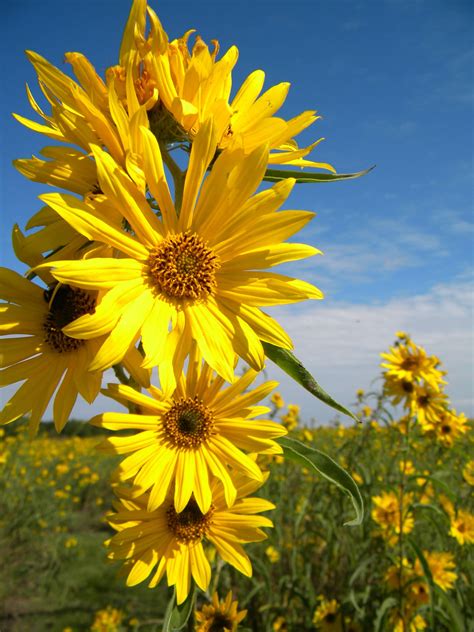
<point>311,573</point>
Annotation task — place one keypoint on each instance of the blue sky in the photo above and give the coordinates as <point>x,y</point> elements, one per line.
<point>393,82</point>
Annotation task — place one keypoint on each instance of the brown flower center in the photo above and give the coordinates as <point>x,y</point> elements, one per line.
<point>67,305</point>
<point>409,364</point>
<point>220,623</point>
<point>183,267</point>
<point>190,524</point>
<point>188,423</point>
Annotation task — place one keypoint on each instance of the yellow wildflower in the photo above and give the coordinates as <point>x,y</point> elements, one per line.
<point>468,472</point>
<point>273,554</point>
<point>222,614</point>
<point>462,527</point>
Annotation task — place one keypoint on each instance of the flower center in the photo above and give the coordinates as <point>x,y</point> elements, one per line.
<point>183,267</point>
<point>220,623</point>
<point>68,304</point>
<point>424,401</point>
<point>190,524</point>
<point>409,364</point>
<point>188,423</point>
<point>445,429</point>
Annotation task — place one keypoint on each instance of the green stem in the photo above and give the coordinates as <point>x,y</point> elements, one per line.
<point>179,177</point>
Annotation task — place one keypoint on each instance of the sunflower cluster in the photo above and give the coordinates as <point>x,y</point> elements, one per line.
<point>414,379</point>
<point>409,579</point>
<point>141,266</point>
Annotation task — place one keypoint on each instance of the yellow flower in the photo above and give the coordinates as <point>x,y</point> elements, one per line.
<point>415,624</point>
<point>427,404</point>
<point>191,435</point>
<point>407,467</point>
<point>107,620</point>
<point>446,426</point>
<point>277,400</point>
<point>279,625</point>
<point>387,513</point>
<point>399,390</point>
<point>174,541</point>
<point>410,362</point>
<point>198,271</point>
<point>70,543</point>
<point>193,86</point>
<point>468,472</point>
<point>402,335</point>
<point>43,356</point>
<point>327,616</point>
<point>462,527</point>
<point>442,567</point>
<point>273,554</point>
<point>220,615</point>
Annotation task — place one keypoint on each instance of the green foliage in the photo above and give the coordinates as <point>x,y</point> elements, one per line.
<point>55,491</point>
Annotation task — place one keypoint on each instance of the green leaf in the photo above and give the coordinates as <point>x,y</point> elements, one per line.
<point>450,610</point>
<point>293,367</point>
<point>387,604</point>
<point>328,468</point>
<point>275,175</point>
<point>176,617</point>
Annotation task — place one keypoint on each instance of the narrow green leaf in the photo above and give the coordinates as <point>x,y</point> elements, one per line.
<point>275,175</point>
<point>450,610</point>
<point>176,617</point>
<point>387,605</point>
<point>293,367</point>
<point>328,468</point>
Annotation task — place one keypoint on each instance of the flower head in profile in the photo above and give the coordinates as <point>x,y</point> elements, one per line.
<point>220,615</point>
<point>36,352</point>
<point>202,272</point>
<point>188,436</point>
<point>171,542</point>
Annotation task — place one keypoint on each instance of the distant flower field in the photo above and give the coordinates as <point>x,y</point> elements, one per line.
<point>408,567</point>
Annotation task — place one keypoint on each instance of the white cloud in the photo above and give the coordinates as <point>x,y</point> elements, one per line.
<point>340,343</point>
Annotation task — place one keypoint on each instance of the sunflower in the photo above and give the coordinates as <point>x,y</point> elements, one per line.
<point>327,616</point>
<point>391,517</point>
<point>199,271</point>
<point>446,426</point>
<point>173,541</point>
<point>191,435</point>
<point>462,527</point>
<point>411,363</point>
<point>81,112</point>
<point>442,567</point>
<point>194,86</point>
<point>219,616</point>
<point>468,472</point>
<point>399,390</point>
<point>428,404</point>
<point>42,355</point>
